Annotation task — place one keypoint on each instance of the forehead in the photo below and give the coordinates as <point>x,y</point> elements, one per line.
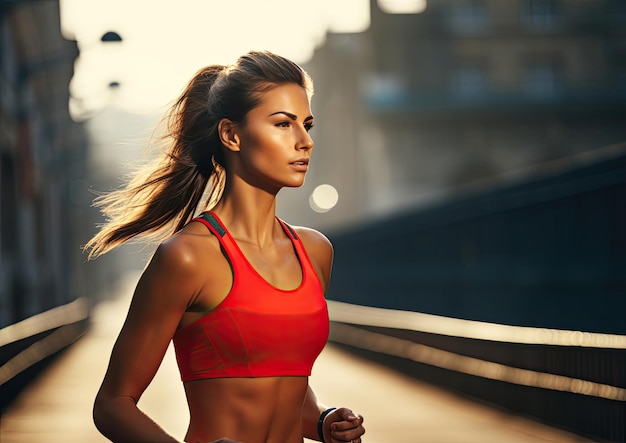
<point>289,97</point>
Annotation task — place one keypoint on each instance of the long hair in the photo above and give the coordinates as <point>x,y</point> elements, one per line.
<point>163,197</point>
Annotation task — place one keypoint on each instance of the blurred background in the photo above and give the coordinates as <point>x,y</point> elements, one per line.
<point>469,167</point>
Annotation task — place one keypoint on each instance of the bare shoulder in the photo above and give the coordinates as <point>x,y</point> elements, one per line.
<point>183,251</point>
<point>182,262</point>
<point>314,240</point>
<point>320,252</point>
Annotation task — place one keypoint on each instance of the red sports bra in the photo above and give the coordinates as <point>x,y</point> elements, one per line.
<point>258,330</point>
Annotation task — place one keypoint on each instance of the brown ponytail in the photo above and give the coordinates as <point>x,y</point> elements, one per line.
<point>163,198</point>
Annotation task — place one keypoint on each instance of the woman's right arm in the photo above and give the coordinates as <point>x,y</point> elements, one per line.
<point>165,290</point>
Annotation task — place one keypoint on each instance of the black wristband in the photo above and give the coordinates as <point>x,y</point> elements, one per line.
<point>320,423</point>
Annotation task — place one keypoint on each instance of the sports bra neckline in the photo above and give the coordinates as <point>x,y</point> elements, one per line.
<point>224,232</point>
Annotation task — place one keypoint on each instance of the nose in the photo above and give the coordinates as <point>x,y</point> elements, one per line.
<point>305,142</point>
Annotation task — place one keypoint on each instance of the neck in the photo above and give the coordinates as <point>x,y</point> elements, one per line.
<point>249,213</point>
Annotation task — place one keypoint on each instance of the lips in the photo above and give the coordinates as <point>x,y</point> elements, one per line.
<point>300,165</point>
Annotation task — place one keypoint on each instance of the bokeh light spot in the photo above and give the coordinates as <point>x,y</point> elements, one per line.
<point>323,198</point>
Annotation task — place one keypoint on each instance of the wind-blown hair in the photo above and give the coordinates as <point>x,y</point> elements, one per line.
<point>161,198</point>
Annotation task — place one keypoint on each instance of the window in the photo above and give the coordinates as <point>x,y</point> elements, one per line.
<point>468,16</point>
<point>543,78</point>
<point>541,14</point>
<point>469,81</point>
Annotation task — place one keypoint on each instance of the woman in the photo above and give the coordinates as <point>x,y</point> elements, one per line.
<point>239,292</point>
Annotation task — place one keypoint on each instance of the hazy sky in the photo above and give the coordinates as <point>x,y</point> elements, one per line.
<point>166,41</point>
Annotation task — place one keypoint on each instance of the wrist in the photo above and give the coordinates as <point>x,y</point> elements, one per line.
<point>320,423</point>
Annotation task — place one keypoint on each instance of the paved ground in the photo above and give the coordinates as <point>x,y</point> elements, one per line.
<point>57,407</point>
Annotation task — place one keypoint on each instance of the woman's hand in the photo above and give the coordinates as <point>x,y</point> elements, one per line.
<point>343,425</point>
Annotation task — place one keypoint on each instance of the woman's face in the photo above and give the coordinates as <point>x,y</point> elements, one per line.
<point>275,145</point>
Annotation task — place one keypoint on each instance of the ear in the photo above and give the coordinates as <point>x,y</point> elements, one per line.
<point>227,131</point>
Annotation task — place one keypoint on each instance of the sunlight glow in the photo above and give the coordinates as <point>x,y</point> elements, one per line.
<point>165,42</point>
<point>402,6</point>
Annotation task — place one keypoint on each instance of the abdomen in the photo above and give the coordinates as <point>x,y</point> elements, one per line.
<point>251,410</point>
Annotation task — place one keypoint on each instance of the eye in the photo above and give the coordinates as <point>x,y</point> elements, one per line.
<point>283,124</point>
<point>308,126</point>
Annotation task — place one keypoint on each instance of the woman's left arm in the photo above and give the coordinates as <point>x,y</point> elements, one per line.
<point>318,422</point>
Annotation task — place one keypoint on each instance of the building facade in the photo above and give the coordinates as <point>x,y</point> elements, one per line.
<point>42,198</point>
<point>465,92</point>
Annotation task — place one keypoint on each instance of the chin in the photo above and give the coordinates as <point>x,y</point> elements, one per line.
<point>293,183</point>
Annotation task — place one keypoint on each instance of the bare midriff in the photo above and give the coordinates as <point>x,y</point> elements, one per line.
<point>250,410</point>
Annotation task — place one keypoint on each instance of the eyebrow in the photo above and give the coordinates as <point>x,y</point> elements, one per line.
<point>291,116</point>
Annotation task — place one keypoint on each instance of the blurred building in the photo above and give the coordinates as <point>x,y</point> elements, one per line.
<point>463,92</point>
<point>42,203</point>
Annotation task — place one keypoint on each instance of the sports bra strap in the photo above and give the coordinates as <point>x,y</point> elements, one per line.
<point>213,224</point>
<point>288,229</point>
